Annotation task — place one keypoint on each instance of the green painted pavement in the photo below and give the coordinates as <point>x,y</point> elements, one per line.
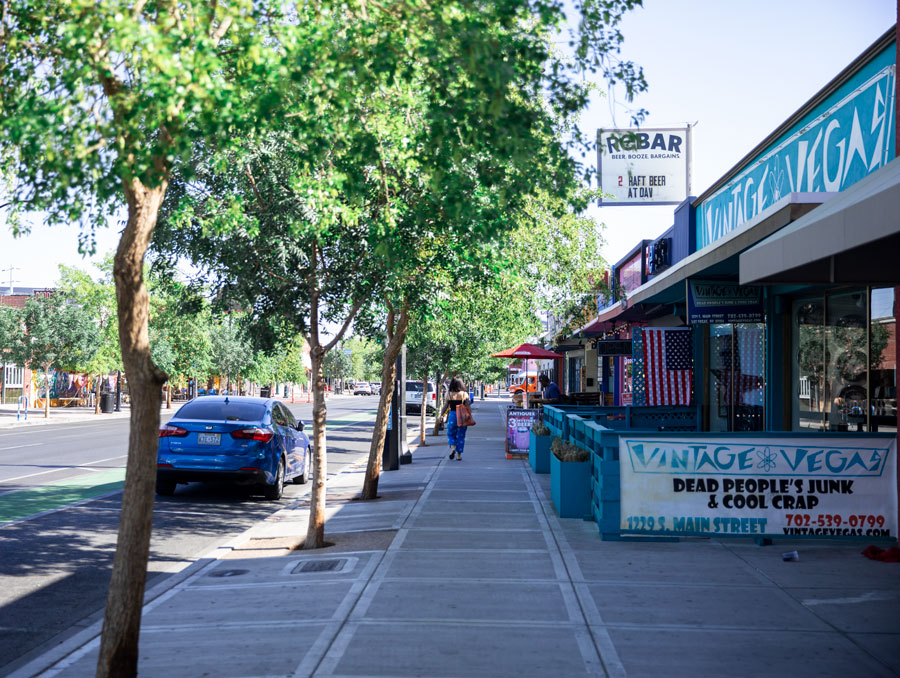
<point>24,503</point>
<point>363,418</point>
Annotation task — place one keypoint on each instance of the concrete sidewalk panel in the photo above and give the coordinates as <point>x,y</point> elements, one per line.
<point>445,506</point>
<point>650,562</point>
<point>463,651</point>
<point>473,541</point>
<point>472,565</point>
<point>820,565</point>
<point>219,651</point>
<point>650,653</point>
<point>479,521</point>
<point>468,600</point>
<point>885,647</point>
<point>855,609</point>
<point>480,495</point>
<point>250,604</point>
<point>286,570</point>
<point>681,604</point>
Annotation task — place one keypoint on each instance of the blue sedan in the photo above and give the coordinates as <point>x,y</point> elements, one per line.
<point>255,441</point>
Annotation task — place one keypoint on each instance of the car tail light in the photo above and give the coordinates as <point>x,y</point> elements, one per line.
<point>164,466</point>
<point>169,431</point>
<point>263,435</point>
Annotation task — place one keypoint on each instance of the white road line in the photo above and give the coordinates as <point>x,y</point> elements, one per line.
<point>16,447</point>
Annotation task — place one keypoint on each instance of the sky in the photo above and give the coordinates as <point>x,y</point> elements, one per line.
<point>734,68</point>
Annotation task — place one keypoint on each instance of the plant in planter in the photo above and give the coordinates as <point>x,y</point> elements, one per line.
<point>570,479</point>
<point>539,448</point>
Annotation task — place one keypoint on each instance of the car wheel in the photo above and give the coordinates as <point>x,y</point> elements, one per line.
<point>165,488</point>
<point>275,490</point>
<point>303,477</point>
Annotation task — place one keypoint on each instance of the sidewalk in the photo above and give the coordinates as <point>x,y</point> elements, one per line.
<point>462,569</point>
<point>10,418</point>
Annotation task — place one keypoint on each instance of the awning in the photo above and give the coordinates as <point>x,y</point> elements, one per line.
<point>601,322</point>
<point>716,259</point>
<point>853,238</point>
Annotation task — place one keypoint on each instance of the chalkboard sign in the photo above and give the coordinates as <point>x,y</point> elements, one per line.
<point>614,347</point>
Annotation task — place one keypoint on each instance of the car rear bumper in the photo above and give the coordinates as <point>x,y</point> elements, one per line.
<point>191,475</point>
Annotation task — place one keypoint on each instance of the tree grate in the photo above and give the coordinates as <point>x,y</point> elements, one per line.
<point>320,565</point>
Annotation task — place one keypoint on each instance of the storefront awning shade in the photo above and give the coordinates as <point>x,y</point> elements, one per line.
<point>853,238</point>
<point>720,260</point>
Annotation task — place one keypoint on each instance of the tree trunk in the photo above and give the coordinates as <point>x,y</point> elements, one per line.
<point>396,336</point>
<point>122,619</point>
<point>424,408</point>
<point>441,379</point>
<point>97,394</point>
<point>315,533</point>
<point>169,396</point>
<point>46,391</point>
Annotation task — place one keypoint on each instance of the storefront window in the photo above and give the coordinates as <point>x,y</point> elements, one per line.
<point>844,362</point>
<point>846,355</point>
<point>808,364</point>
<point>630,274</point>
<point>737,377</point>
<point>883,361</point>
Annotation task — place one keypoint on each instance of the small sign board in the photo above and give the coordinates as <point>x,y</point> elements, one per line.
<point>719,486</point>
<point>518,428</point>
<point>644,166</point>
<point>716,302</point>
<point>613,347</point>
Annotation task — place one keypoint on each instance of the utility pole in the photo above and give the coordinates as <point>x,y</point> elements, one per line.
<point>11,281</point>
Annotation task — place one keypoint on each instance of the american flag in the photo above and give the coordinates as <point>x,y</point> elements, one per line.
<point>749,367</point>
<point>665,354</point>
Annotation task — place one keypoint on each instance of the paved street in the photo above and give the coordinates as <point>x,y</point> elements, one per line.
<point>60,494</point>
<point>463,569</point>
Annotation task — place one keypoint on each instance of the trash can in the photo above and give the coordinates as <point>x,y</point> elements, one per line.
<point>107,402</point>
<point>265,392</point>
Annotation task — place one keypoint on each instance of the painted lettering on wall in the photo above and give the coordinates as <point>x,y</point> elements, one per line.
<point>765,484</point>
<point>851,136</point>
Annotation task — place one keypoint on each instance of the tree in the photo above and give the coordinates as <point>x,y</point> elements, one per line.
<point>98,297</point>
<point>180,322</point>
<point>10,326</point>
<point>412,150</point>
<point>337,364</point>
<point>56,334</point>
<point>230,351</point>
<point>98,103</point>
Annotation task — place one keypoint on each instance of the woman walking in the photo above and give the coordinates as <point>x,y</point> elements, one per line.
<point>456,435</point>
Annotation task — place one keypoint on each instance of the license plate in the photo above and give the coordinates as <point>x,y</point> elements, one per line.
<point>209,438</point>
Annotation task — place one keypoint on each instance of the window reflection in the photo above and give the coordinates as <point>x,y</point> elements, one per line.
<point>808,364</point>
<point>844,369</point>
<point>883,361</point>
<point>737,355</point>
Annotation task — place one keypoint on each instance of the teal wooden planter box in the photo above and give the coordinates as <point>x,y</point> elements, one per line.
<point>539,452</point>
<point>570,487</point>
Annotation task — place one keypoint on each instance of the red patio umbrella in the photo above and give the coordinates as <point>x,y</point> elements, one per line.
<point>527,351</point>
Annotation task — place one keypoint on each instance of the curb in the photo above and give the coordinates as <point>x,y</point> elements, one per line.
<point>83,640</point>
